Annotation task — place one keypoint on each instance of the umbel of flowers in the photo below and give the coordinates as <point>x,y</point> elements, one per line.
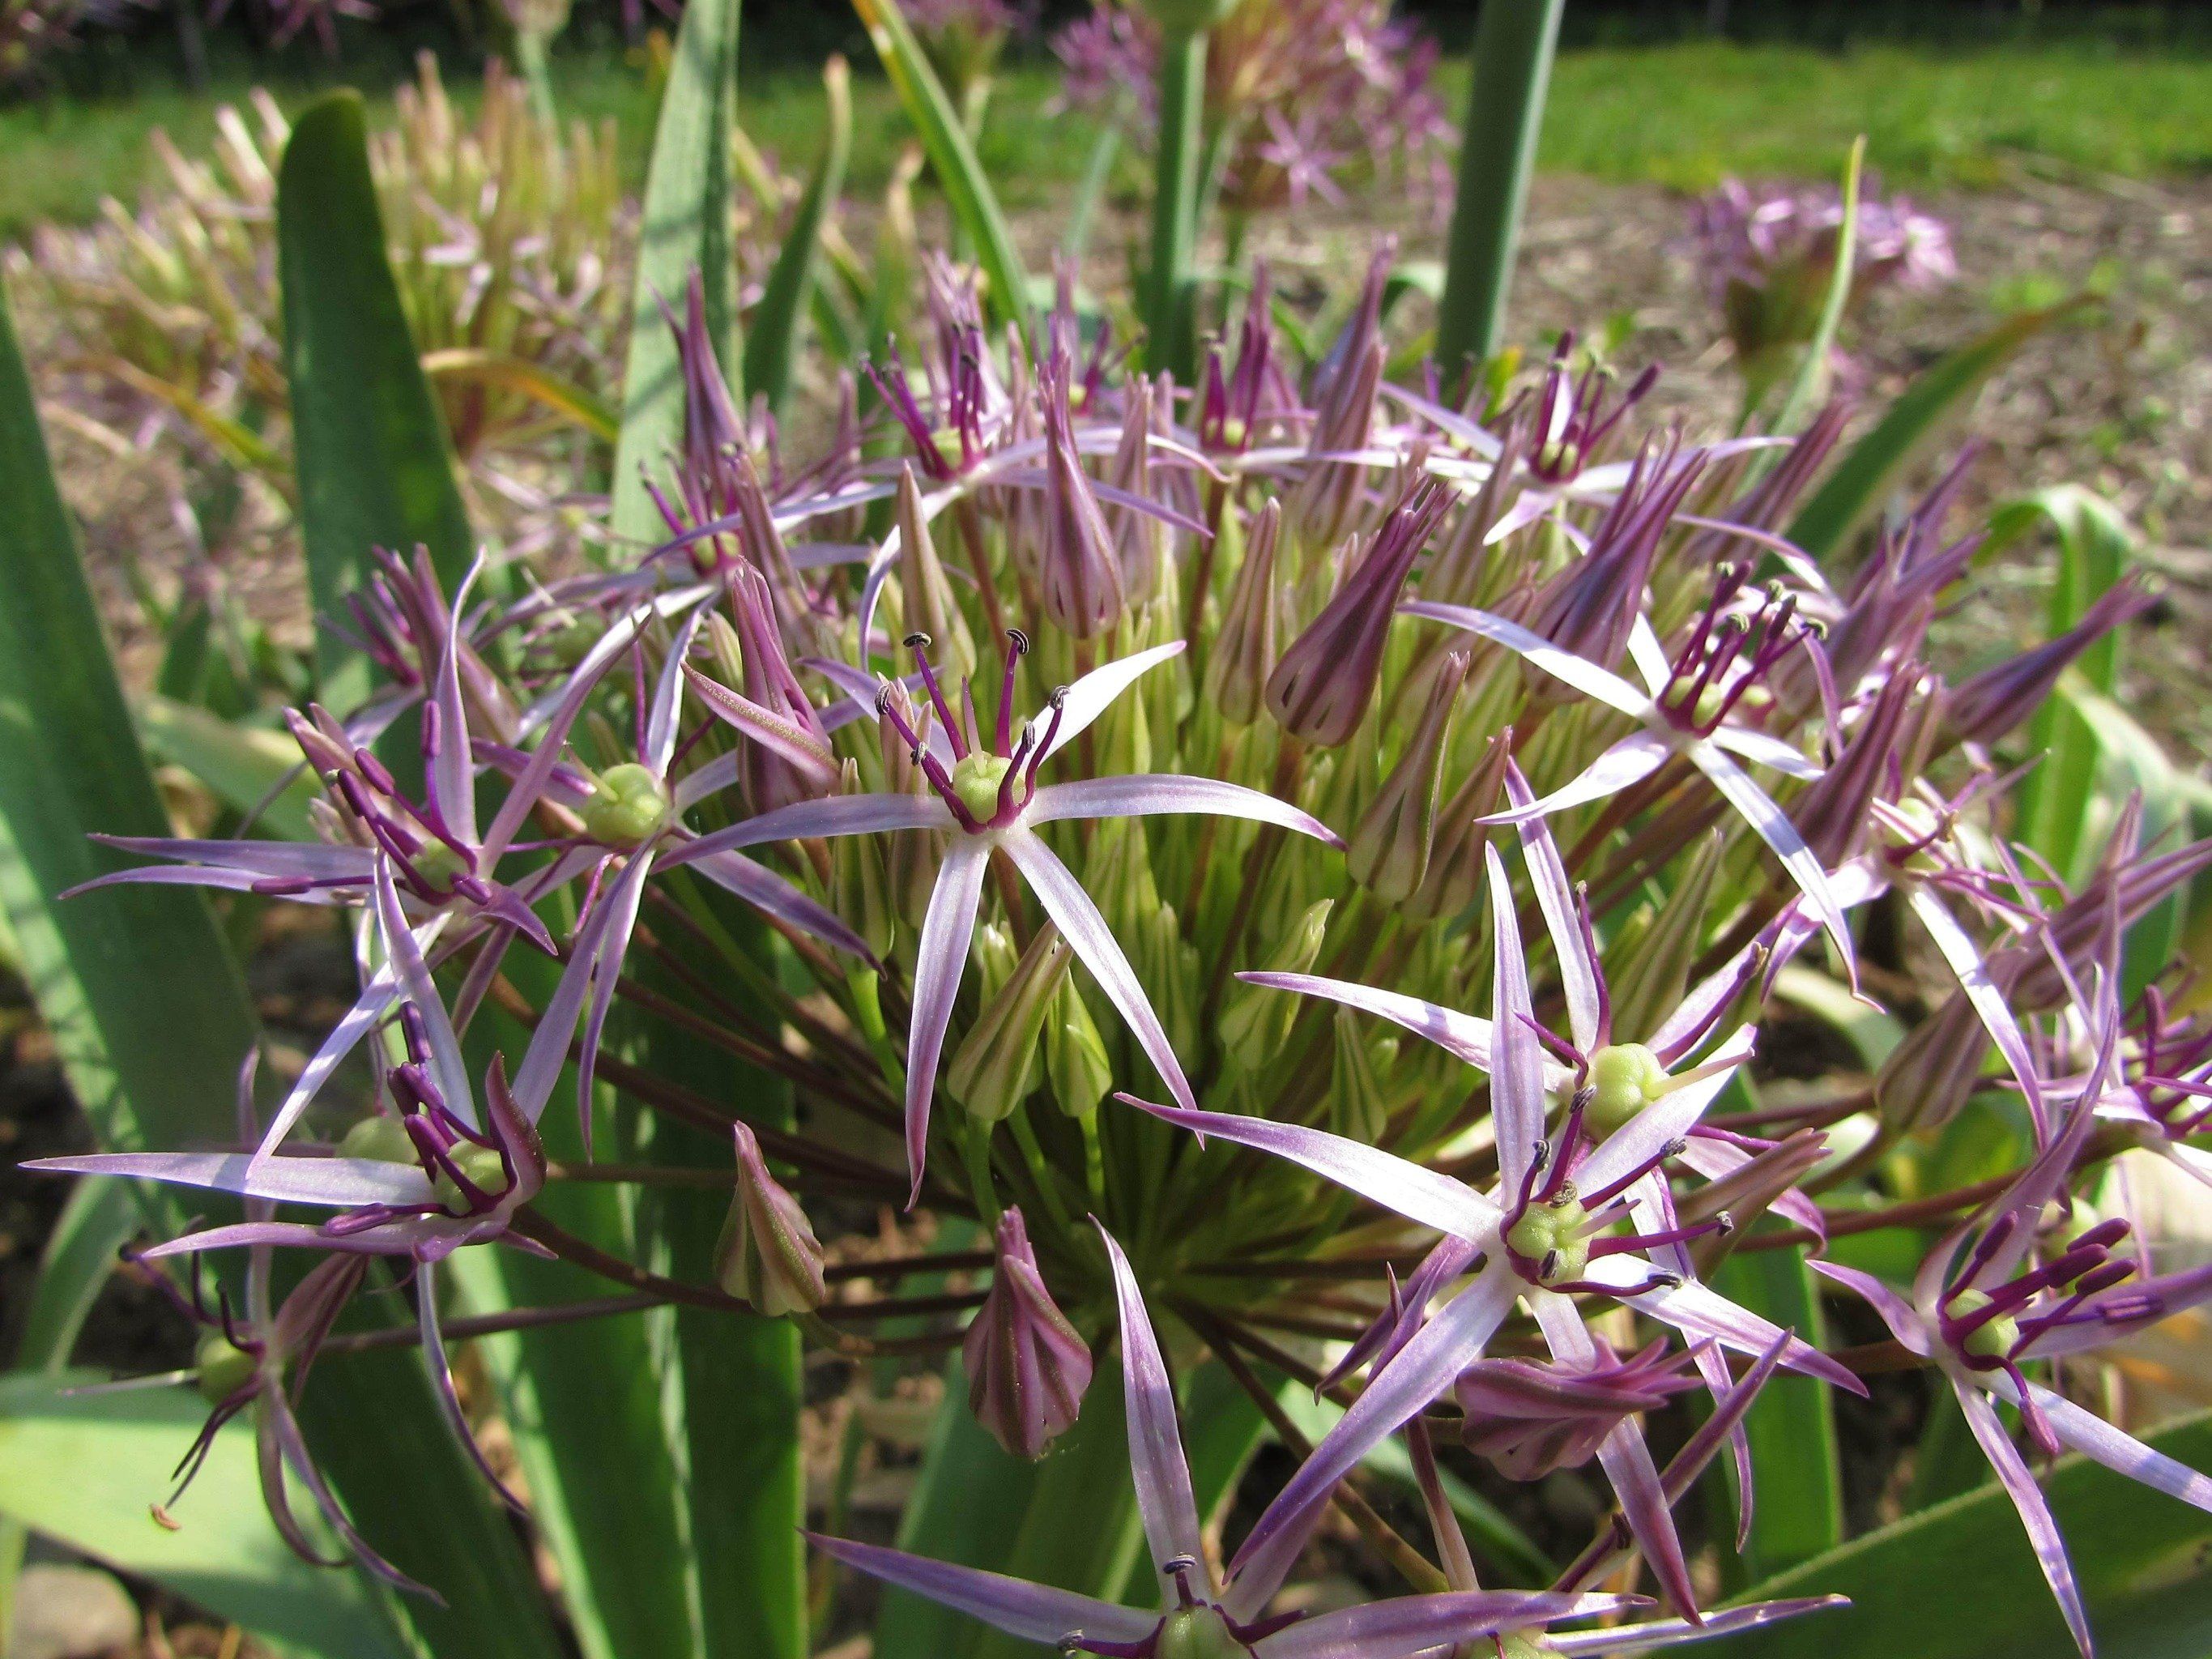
<point>1299,860</point>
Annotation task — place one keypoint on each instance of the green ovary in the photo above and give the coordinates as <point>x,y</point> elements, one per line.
<point>385,1139</point>
<point>483,1167</point>
<point>1550,1236</point>
<point>1197,1633</point>
<point>224,1368</point>
<point>1624,1079</point>
<point>628,808</point>
<point>975,780</point>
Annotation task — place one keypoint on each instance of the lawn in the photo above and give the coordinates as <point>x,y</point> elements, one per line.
<point>1682,114</point>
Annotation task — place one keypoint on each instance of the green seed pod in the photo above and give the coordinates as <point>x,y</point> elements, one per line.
<point>629,807</point>
<point>383,1138</point>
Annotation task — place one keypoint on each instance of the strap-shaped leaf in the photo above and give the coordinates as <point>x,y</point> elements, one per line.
<point>83,1468</point>
<point>967,188</point>
<point>375,466</point>
<point>772,341</point>
<point>1879,462</point>
<point>686,229</point>
<point>1958,1582</point>
<point>1812,376</point>
<point>1791,1425</point>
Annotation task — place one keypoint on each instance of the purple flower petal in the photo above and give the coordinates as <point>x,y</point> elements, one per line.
<point>1772,752</point>
<point>940,960</point>
<point>618,906</point>
<point>1582,978</point>
<point>1517,1100</point>
<point>1079,923</point>
<point>1156,1456</point>
<point>342,1183</point>
<point>1704,1312</point>
<point>1410,1625</point>
<point>1587,677</point>
<point>1160,791</point>
<point>447,1069</point>
<point>1899,1315</point>
<point>1772,825</point>
<point>1033,1612</point>
<point>2028,1498</point>
<point>2119,1450</point>
<point>1630,760</point>
<point>665,711</point>
<point>768,892</point>
<point>1413,1191</point>
<point>1987,1000</point>
<point>837,815</point>
<point>1423,1369</point>
<point>452,774</point>
<point>1092,694</point>
<point>1667,1632</point>
<point>1668,1119</point>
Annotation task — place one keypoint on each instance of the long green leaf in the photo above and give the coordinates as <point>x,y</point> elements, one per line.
<point>686,229</point>
<point>83,1468</point>
<point>1878,463</point>
<point>245,767</point>
<point>772,337</point>
<point>2131,762</point>
<point>951,157</point>
<point>1171,301</point>
<point>1805,387</point>
<point>2095,549</point>
<point>1958,1582</point>
<point>1791,1425</point>
<point>1514,44</point>
<point>375,466</point>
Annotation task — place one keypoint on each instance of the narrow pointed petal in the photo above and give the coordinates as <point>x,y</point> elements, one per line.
<point>547,1053</point>
<point>1409,1624</point>
<point>1773,826</point>
<point>1467,1035</point>
<point>342,1183</point>
<point>537,773</point>
<point>768,892</point>
<point>1092,694</point>
<point>1704,1312</point>
<point>1032,1612</point>
<point>1517,1100</point>
<point>447,1068</point>
<point>282,860</point>
<point>940,959</point>
<point>837,815</point>
<point>1587,677</point>
<point>1580,976</point>
<point>1412,1191</point>
<point>1079,923</point>
<point>1156,1464</point>
<point>1424,1369</point>
<point>785,737</point>
<point>1667,1632</point>
<point>449,1402</point>
<point>610,647</point>
<point>1982,991</point>
<point>1630,760</point>
<point>453,775</point>
<point>2119,1450</point>
<point>1162,792</point>
<point>2019,1481</point>
<point>370,1007</point>
<point>1772,752</point>
<point>621,902</point>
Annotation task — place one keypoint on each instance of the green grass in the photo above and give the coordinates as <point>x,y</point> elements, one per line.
<point>1681,115</point>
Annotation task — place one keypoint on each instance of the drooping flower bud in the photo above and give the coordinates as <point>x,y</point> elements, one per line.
<point>1649,979</point>
<point>768,1254</point>
<point>1995,701</point>
<point>1080,570</point>
<point>1357,1107</point>
<point>924,590</point>
<point>1243,651</point>
<point>1455,876</point>
<point>1255,1020</point>
<point>1320,689</point>
<point>996,1066</point>
<point>1529,1418</point>
<point>1389,853</point>
<point>1933,1072</point>
<point>1760,1181</point>
<point>1028,1367</point>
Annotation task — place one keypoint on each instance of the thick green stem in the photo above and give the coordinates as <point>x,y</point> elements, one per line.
<point>1514,41</point>
<point>1169,306</point>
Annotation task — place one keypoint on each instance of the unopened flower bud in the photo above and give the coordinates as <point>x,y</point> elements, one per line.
<point>1455,877</point>
<point>1931,1074</point>
<point>1075,1059</point>
<point>1136,534</point>
<point>1081,573</point>
<point>768,1254</point>
<point>1531,1417</point>
<point>1244,650</point>
<point>787,756</point>
<point>1357,1107</point>
<point>1649,981</point>
<point>1320,689</point>
<point>924,590</point>
<point>1995,701</point>
<point>997,1063</point>
<point>1028,1367</point>
<point>628,808</point>
<point>1256,1021</point>
<point>1390,852</point>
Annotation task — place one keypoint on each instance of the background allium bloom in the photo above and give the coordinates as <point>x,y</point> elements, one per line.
<point>1327,94</point>
<point>1767,254</point>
